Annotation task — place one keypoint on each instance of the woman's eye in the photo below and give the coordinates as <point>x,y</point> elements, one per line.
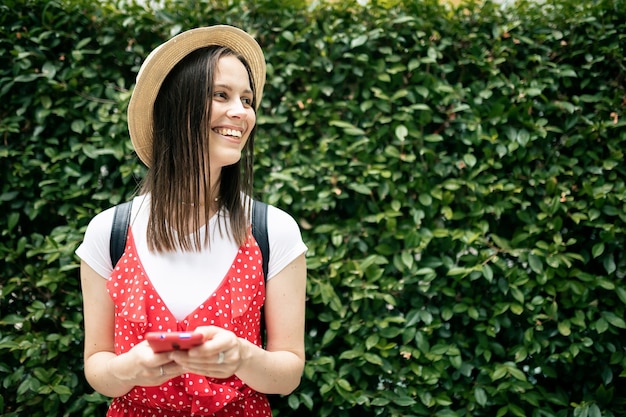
<point>247,101</point>
<point>219,94</point>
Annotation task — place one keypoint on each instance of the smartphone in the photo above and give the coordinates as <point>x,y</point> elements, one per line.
<point>167,341</point>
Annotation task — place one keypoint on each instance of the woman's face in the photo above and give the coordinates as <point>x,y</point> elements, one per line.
<point>232,114</point>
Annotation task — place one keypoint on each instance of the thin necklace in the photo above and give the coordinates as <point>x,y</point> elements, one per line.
<point>216,199</point>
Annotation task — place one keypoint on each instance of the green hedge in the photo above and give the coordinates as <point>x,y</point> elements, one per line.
<point>458,174</point>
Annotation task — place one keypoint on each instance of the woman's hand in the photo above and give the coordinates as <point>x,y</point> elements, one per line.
<point>142,367</point>
<point>220,356</point>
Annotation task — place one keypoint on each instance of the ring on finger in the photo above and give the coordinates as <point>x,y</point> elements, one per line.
<point>220,358</point>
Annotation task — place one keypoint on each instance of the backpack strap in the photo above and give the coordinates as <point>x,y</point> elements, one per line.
<point>119,231</point>
<point>121,220</point>
<point>259,231</point>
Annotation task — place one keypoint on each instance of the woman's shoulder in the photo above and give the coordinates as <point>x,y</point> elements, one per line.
<point>285,239</point>
<point>283,229</point>
<point>278,217</point>
<point>101,224</point>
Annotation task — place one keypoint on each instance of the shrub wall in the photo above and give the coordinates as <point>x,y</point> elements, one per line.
<point>458,174</point>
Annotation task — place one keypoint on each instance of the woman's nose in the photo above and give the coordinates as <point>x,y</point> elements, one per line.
<point>237,109</point>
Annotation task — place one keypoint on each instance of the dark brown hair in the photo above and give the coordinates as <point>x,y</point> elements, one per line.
<point>179,178</point>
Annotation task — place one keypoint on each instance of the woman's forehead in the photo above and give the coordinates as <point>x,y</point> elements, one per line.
<point>232,73</point>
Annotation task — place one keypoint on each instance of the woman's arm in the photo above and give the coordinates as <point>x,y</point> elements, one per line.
<point>107,373</point>
<point>278,369</point>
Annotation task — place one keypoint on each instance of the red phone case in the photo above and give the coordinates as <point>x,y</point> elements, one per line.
<point>167,341</point>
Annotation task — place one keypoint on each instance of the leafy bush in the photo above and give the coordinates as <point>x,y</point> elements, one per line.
<point>458,174</point>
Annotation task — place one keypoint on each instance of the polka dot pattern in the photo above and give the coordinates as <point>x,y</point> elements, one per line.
<point>235,305</point>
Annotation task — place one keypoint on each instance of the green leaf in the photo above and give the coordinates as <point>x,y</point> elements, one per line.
<point>597,250</point>
<point>49,70</point>
<point>347,128</point>
<point>356,42</point>
<point>481,396</point>
<point>517,309</point>
<point>470,160</point>
<point>517,411</point>
<point>401,132</point>
<point>609,264</point>
<point>293,402</point>
<point>61,390</point>
<point>373,359</point>
<point>621,293</point>
<point>404,401</point>
<point>535,263</point>
<point>351,354</point>
<point>565,328</point>
<point>500,372</point>
<point>614,319</point>
<point>371,341</point>
<point>601,325</point>
<point>433,138</point>
<point>487,272</point>
<point>517,374</point>
<point>360,188</point>
<point>407,260</point>
<point>425,199</point>
<point>344,384</point>
<point>78,126</point>
<point>517,294</point>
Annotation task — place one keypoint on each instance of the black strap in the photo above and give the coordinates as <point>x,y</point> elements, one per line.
<point>259,231</point>
<point>119,231</point>
<point>121,220</point>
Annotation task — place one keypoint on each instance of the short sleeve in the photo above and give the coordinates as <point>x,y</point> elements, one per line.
<point>285,240</point>
<point>94,250</point>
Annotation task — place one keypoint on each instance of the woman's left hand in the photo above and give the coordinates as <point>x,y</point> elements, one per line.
<point>219,356</point>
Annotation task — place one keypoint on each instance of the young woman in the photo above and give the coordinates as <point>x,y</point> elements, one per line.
<point>191,263</point>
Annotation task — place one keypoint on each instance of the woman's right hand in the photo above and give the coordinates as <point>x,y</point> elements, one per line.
<point>142,367</point>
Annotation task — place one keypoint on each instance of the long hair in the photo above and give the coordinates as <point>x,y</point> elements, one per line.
<point>179,178</point>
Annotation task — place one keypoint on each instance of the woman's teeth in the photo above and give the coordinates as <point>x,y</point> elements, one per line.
<point>228,132</point>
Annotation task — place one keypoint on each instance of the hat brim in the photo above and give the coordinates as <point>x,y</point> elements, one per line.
<point>164,58</point>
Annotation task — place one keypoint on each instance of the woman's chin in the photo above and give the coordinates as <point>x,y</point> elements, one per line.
<point>225,159</point>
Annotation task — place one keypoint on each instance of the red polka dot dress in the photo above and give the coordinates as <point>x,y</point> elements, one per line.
<point>235,305</point>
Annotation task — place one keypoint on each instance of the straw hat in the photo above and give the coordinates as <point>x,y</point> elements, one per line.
<point>163,59</point>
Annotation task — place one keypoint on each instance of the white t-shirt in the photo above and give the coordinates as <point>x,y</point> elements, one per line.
<point>186,279</point>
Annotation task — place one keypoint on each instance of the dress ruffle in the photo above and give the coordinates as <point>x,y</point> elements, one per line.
<point>207,396</point>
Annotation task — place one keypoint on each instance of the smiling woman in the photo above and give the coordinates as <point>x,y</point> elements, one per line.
<point>191,263</point>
